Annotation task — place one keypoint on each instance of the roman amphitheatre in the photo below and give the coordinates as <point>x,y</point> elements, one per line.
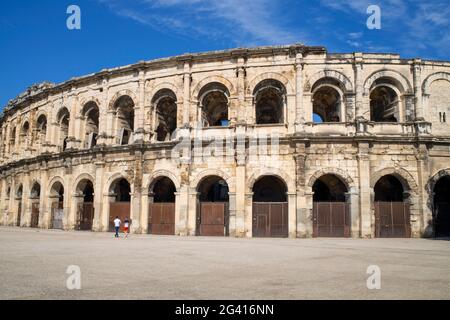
<point>363,147</point>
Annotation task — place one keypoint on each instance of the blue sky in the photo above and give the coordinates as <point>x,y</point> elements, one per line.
<point>36,45</point>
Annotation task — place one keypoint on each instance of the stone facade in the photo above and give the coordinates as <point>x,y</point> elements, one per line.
<point>108,126</point>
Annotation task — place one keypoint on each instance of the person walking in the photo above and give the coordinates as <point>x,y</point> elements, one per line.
<point>126,227</point>
<point>117,224</point>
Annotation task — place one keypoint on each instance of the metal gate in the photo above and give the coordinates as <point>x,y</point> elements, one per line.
<point>121,209</point>
<point>19,214</point>
<point>161,218</point>
<point>331,219</point>
<point>85,216</point>
<point>392,220</point>
<point>57,215</point>
<point>270,219</point>
<point>213,219</point>
<point>442,219</point>
<point>34,215</point>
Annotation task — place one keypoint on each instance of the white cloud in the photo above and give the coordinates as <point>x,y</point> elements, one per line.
<point>246,22</point>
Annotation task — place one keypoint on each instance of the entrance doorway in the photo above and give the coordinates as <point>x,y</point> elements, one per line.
<point>270,208</point>
<point>213,207</point>
<point>392,212</point>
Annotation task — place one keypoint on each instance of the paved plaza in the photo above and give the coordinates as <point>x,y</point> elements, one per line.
<point>33,265</point>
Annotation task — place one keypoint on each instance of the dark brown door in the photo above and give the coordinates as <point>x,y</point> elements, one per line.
<point>392,220</point>
<point>120,209</point>
<point>19,214</point>
<point>331,219</point>
<point>161,218</point>
<point>212,220</point>
<point>34,215</point>
<point>270,219</point>
<point>86,216</point>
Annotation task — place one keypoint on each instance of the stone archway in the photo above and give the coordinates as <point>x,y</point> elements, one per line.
<point>84,198</point>
<point>213,207</point>
<point>392,210</point>
<point>270,212</point>
<point>56,200</point>
<point>35,198</point>
<point>331,207</point>
<point>119,199</point>
<point>438,189</point>
<point>161,208</point>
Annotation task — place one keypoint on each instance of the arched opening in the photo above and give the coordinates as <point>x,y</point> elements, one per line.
<point>161,213</point>
<point>165,116</point>
<point>442,207</point>
<point>119,201</point>
<point>91,115</point>
<point>19,196</point>
<point>392,212</point>
<point>214,104</point>
<point>85,205</point>
<point>57,205</point>
<point>270,208</point>
<point>331,211</point>
<point>24,134</point>
<point>270,99</point>
<point>35,197</point>
<point>63,119</point>
<point>41,125</point>
<point>384,104</point>
<point>213,213</point>
<point>327,104</point>
<point>124,108</point>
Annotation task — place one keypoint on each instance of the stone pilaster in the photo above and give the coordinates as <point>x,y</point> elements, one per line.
<point>359,86</point>
<point>365,191</point>
<point>417,75</point>
<point>299,109</point>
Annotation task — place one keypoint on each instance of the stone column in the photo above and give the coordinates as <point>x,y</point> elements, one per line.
<point>292,214</point>
<point>359,85</point>
<point>300,182</point>
<point>249,214</point>
<point>232,214</point>
<point>138,135</point>
<point>417,75</point>
<point>425,220</point>
<point>73,102</point>
<point>103,115</point>
<point>299,109</point>
<point>182,199</point>
<point>352,198</point>
<point>186,93</point>
<point>135,210</point>
<point>146,199</point>
<point>241,185</point>
<point>69,210</point>
<point>44,213</point>
<point>192,212</point>
<point>365,203</point>
<point>307,218</point>
<point>26,209</point>
<point>100,201</point>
